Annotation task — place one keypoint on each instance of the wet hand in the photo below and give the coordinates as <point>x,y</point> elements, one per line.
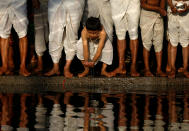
<point>173,9</point>
<point>89,64</point>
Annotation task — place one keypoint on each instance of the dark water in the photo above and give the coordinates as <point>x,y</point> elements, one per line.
<point>94,112</point>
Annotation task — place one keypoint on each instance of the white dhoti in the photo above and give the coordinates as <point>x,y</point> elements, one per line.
<point>64,21</point>
<point>102,10</point>
<point>178,28</point>
<point>151,24</point>
<point>106,55</point>
<point>125,15</point>
<point>13,13</point>
<point>41,28</point>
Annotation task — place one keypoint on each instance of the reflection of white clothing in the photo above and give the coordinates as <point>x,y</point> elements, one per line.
<point>148,125</point>
<point>125,14</point>
<point>174,127</point>
<point>178,27</point>
<point>64,21</point>
<point>184,126</point>
<point>41,28</point>
<point>106,55</point>
<point>6,128</point>
<point>13,13</point>
<point>151,24</point>
<point>108,114</point>
<point>40,118</point>
<point>56,121</point>
<point>101,9</point>
<point>74,121</point>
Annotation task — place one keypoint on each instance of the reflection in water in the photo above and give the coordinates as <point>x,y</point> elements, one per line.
<point>94,112</point>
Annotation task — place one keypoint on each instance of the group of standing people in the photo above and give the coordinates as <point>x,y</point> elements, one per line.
<point>97,17</point>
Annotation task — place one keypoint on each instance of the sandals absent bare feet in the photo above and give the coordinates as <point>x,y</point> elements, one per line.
<point>84,73</point>
<point>24,72</point>
<point>52,72</point>
<point>147,73</point>
<point>118,71</point>
<point>161,74</point>
<point>107,74</point>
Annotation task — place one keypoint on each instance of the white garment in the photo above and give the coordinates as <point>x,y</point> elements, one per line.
<point>64,21</point>
<point>106,55</point>
<point>13,13</point>
<point>151,24</point>
<point>126,14</point>
<point>178,27</point>
<point>102,10</point>
<point>41,28</point>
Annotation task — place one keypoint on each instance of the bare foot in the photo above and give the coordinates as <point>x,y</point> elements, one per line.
<point>2,71</point>
<point>24,72</point>
<point>181,70</point>
<point>147,73</point>
<point>118,71</point>
<point>38,70</point>
<point>134,73</point>
<point>68,74</point>
<point>9,72</point>
<point>172,74</point>
<point>104,73</point>
<point>52,72</point>
<point>160,74</point>
<point>168,69</point>
<point>186,74</point>
<point>84,73</point>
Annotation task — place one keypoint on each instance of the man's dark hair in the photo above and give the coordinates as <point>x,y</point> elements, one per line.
<point>93,24</point>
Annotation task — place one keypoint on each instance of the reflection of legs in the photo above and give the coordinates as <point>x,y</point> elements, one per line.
<point>185,61</point>
<point>85,72</point>
<point>146,55</point>
<point>173,53</point>
<point>104,72</point>
<point>121,46</point>
<point>159,62</point>
<point>4,55</point>
<point>23,45</point>
<point>134,52</point>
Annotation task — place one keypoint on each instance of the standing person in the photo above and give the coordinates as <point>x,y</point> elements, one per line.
<point>94,46</point>
<point>178,32</point>
<point>64,21</point>
<point>151,24</point>
<point>13,13</point>
<point>125,14</point>
<point>41,31</point>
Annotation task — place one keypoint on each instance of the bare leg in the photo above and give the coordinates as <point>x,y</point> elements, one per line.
<point>146,55</point>
<point>121,46</point>
<point>134,52</point>
<point>23,45</point>
<point>159,62</point>
<point>10,61</point>
<point>185,61</point>
<point>104,72</point>
<point>39,64</point>
<point>54,71</point>
<point>181,69</point>
<point>67,72</point>
<point>168,67</point>
<point>173,52</point>
<point>4,55</point>
<point>33,60</point>
<point>85,72</point>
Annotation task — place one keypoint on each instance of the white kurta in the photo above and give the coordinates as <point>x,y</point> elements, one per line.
<point>64,21</point>
<point>13,12</point>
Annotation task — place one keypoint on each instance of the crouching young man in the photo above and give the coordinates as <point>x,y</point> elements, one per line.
<point>94,46</point>
<point>151,23</point>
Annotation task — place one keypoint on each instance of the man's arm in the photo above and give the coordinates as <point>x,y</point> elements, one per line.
<point>85,46</point>
<point>147,6</point>
<point>100,46</point>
